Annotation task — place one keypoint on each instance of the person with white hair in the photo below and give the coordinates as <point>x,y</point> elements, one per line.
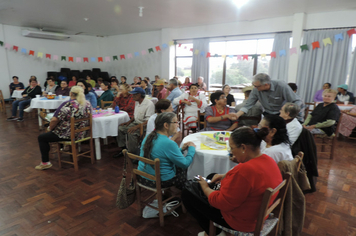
<point>202,85</point>
<point>175,92</point>
<point>59,126</point>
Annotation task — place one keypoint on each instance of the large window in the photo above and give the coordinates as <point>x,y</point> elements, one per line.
<point>184,59</point>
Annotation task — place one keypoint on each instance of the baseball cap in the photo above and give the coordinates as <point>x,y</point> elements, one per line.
<point>137,90</point>
<point>343,86</point>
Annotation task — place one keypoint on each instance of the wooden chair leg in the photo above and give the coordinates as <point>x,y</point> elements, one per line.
<point>138,197</point>
<point>183,208</point>
<point>59,155</point>
<point>75,158</point>
<point>212,229</point>
<point>92,151</point>
<point>333,144</point>
<point>160,209</point>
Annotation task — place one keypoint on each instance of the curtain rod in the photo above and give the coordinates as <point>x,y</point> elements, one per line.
<point>349,27</point>
<point>226,36</point>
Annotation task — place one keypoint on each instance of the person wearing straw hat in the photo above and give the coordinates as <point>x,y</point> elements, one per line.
<point>162,91</point>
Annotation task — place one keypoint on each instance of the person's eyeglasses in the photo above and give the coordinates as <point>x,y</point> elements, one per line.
<point>177,122</point>
<point>222,97</point>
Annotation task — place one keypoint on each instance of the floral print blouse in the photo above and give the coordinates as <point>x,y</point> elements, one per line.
<point>64,113</point>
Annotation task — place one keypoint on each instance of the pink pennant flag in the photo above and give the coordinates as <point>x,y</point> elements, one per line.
<point>129,55</point>
<point>143,52</point>
<point>107,59</point>
<point>78,59</point>
<point>55,57</point>
<point>292,51</point>
<point>7,46</point>
<point>239,57</point>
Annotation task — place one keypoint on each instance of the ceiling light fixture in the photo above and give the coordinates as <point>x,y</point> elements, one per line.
<point>140,14</point>
<point>240,3</point>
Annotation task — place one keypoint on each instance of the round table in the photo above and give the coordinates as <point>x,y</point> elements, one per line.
<point>105,125</point>
<point>206,162</point>
<point>17,93</point>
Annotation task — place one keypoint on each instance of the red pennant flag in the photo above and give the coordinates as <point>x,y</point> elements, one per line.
<point>70,59</point>
<point>179,45</point>
<point>122,57</point>
<point>15,48</point>
<point>100,59</point>
<point>273,54</point>
<point>48,56</point>
<point>245,57</point>
<point>31,53</point>
<point>191,49</point>
<point>158,48</point>
<point>208,55</point>
<point>85,59</point>
<point>316,44</point>
<point>351,32</point>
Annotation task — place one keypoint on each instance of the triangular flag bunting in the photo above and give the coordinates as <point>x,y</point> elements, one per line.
<point>15,48</point>
<point>137,54</point>
<point>63,58</point>
<point>48,56</point>
<point>129,55</point>
<point>23,50</point>
<point>254,56</point>
<point>191,49</point>
<point>171,43</point>
<point>7,46</point>
<point>338,37</point>
<point>78,59</point>
<point>1,43</point>
<point>150,50</point>
<point>292,51</point>
<point>107,59</point>
<point>223,56</point>
<point>202,53</point>
<point>273,55</point>
<point>304,47</point>
<point>55,57</point>
<point>316,44</point>
<point>263,56</point>
<point>143,52</point>
<point>282,53</point>
<point>327,41</point>
<point>239,57</point>
<point>100,59</point>
<point>351,32</point>
<point>245,57</point>
<point>208,54</point>
<point>93,59</point>
<point>31,53</point>
<point>196,52</point>
<point>158,48</point>
<point>231,56</point>
<point>115,58</point>
<point>122,57</point>
<point>71,59</point>
<point>40,54</point>
<point>85,59</point>
<point>164,45</point>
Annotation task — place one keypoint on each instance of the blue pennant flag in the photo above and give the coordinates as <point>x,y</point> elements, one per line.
<point>24,50</point>
<point>137,54</point>
<point>92,59</point>
<point>202,53</point>
<point>282,53</point>
<point>339,37</point>
<point>231,56</point>
<point>164,45</point>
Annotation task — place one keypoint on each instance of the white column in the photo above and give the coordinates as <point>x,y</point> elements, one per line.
<point>297,34</point>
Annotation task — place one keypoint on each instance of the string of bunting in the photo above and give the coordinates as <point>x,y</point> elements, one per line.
<point>274,54</point>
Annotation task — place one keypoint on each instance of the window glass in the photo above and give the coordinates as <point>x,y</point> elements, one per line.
<point>264,46</point>
<point>216,65</point>
<point>184,66</point>
<point>242,47</point>
<point>238,72</point>
<point>184,49</point>
<point>263,64</point>
<point>218,48</point>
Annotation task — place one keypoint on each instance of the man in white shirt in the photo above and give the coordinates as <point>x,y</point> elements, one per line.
<point>130,130</point>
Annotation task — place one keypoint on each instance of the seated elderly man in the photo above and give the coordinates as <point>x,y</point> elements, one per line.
<point>255,111</point>
<point>130,130</point>
<point>343,95</point>
<point>289,113</point>
<point>175,92</point>
<point>162,91</point>
<point>325,115</point>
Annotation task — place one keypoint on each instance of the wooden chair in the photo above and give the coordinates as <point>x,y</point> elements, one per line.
<point>328,140</point>
<point>300,161</point>
<point>74,152</point>
<point>2,103</point>
<point>105,104</point>
<point>180,118</point>
<point>269,226</point>
<point>157,192</point>
<point>199,122</point>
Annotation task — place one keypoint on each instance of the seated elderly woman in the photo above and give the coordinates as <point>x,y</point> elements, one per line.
<point>276,144</point>
<point>193,101</point>
<point>63,90</point>
<point>289,113</point>
<point>163,105</point>
<point>236,204</point>
<point>106,95</point>
<point>218,116</point>
<point>172,161</point>
<point>59,127</point>
<point>324,116</point>
<point>348,122</point>
<point>124,100</point>
<point>89,96</point>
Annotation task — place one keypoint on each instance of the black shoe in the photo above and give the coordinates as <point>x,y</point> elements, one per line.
<point>11,118</point>
<point>19,119</point>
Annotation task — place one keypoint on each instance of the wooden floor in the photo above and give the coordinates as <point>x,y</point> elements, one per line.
<point>63,202</point>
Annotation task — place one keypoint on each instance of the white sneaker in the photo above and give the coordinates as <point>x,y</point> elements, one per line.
<point>28,109</point>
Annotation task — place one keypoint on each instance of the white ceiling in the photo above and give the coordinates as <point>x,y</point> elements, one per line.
<point>114,17</point>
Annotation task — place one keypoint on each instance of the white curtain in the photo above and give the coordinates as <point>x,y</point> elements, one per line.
<point>278,67</point>
<point>200,64</point>
<point>352,79</point>
<point>327,64</point>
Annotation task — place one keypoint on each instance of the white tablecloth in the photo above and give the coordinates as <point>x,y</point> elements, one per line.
<point>47,103</point>
<point>206,162</point>
<point>17,93</point>
<point>105,126</point>
<point>343,107</point>
<point>99,92</point>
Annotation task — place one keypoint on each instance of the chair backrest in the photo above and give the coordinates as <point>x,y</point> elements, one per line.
<point>199,122</point>
<point>276,207</point>
<point>154,163</point>
<point>74,131</point>
<point>300,156</point>
<point>105,104</point>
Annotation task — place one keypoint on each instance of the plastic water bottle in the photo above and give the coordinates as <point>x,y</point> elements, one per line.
<point>117,109</point>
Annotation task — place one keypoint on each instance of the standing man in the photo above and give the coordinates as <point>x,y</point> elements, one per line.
<point>144,108</point>
<point>175,92</point>
<point>202,85</point>
<point>272,94</point>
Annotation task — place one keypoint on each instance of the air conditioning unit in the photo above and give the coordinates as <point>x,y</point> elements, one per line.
<point>44,35</point>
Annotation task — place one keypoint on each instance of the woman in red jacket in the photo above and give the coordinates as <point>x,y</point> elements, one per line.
<point>236,204</point>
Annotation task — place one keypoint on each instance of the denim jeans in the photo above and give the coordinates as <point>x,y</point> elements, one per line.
<point>21,104</point>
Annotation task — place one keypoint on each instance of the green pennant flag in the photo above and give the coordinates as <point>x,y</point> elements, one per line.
<point>304,47</point>
<point>150,50</point>
<point>254,56</point>
<point>1,43</point>
<point>175,43</point>
<point>63,58</point>
<point>216,55</point>
<point>115,58</point>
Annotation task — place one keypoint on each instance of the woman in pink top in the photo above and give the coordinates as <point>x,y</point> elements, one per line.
<point>348,122</point>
